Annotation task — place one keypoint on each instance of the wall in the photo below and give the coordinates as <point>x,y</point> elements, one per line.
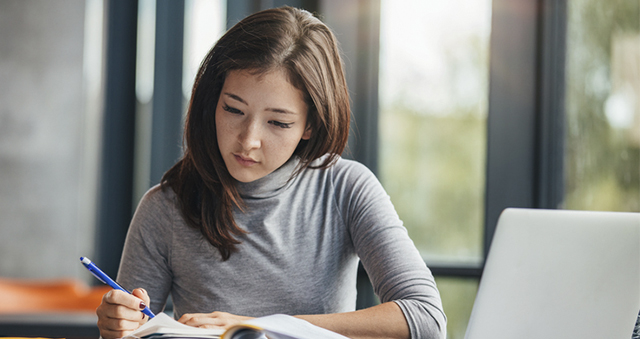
<point>47,166</point>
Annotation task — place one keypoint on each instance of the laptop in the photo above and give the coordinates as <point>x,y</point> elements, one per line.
<point>560,274</point>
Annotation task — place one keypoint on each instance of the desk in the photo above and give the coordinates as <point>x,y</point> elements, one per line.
<point>52,325</point>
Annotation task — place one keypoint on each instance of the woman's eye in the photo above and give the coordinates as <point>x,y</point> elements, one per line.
<point>280,124</point>
<point>231,109</point>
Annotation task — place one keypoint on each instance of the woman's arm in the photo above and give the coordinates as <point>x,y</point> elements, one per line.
<point>142,267</point>
<point>395,267</point>
<point>145,257</point>
<point>381,321</point>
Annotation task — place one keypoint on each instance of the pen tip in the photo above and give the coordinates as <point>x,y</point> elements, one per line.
<point>85,260</point>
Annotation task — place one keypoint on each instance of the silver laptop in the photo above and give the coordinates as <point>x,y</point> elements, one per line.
<point>560,274</point>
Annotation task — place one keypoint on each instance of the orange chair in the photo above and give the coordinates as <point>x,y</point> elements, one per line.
<point>60,295</point>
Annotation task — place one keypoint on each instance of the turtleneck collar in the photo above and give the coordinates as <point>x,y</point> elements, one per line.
<point>271,184</point>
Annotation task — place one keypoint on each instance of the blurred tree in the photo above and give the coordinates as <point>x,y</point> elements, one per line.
<point>602,153</point>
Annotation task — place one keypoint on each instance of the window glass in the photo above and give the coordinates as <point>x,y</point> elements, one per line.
<point>602,161</point>
<point>458,295</point>
<point>204,24</point>
<point>433,106</point>
<point>145,61</point>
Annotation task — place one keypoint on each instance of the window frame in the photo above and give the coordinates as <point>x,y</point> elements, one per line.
<point>525,124</point>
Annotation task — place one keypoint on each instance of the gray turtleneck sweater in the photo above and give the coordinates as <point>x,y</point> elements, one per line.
<point>300,255</point>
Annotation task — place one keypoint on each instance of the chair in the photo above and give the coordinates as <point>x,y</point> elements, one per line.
<point>59,295</point>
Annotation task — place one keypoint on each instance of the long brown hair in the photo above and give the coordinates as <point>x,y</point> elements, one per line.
<point>283,38</point>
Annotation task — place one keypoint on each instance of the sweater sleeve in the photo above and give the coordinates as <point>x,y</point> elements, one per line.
<point>146,253</point>
<point>394,265</point>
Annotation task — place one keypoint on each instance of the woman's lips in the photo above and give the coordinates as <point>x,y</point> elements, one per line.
<point>244,161</point>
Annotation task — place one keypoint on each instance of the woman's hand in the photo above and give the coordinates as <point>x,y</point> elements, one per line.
<point>120,313</point>
<point>221,320</point>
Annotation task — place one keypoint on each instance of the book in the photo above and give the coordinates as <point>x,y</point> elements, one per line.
<point>277,326</point>
<point>164,326</point>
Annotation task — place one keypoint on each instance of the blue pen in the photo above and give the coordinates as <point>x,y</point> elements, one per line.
<point>105,279</point>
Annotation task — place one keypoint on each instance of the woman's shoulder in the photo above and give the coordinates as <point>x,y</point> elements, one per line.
<point>346,169</point>
<point>341,165</point>
<point>158,199</point>
<point>156,214</point>
<point>346,174</point>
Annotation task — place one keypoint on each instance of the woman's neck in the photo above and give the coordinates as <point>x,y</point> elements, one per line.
<point>271,184</point>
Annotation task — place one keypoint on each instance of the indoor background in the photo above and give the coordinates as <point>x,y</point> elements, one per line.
<point>462,108</point>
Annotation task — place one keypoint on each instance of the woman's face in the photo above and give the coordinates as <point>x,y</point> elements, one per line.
<point>260,119</point>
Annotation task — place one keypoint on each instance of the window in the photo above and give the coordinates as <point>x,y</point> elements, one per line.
<point>434,61</point>
<point>203,24</point>
<point>433,107</point>
<point>602,160</point>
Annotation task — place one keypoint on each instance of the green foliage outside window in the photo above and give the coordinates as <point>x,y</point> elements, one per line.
<point>602,159</point>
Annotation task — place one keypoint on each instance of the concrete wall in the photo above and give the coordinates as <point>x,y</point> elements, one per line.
<point>47,166</point>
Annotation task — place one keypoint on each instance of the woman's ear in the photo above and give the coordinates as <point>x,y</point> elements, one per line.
<point>307,133</point>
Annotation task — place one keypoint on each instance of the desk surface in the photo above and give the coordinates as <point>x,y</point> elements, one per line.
<point>59,325</point>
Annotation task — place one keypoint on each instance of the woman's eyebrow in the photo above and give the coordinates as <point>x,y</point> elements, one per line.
<point>275,110</point>
<point>235,97</point>
<point>280,110</point>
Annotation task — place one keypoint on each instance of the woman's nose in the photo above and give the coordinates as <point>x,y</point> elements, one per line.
<point>249,137</point>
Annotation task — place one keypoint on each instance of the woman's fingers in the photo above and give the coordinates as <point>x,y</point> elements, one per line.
<point>116,328</point>
<point>117,297</point>
<point>119,313</point>
<point>220,320</point>
<point>204,320</point>
<point>142,294</point>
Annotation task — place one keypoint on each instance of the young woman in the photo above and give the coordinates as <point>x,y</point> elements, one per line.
<point>262,215</point>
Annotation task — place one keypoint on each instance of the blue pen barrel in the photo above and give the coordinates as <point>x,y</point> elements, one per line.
<point>97,272</point>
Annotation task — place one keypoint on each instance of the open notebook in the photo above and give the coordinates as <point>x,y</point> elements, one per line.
<point>277,326</point>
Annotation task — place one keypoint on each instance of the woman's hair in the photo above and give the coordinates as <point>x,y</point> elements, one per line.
<point>287,39</point>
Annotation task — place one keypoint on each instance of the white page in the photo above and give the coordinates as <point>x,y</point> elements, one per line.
<point>164,324</point>
<point>285,326</point>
